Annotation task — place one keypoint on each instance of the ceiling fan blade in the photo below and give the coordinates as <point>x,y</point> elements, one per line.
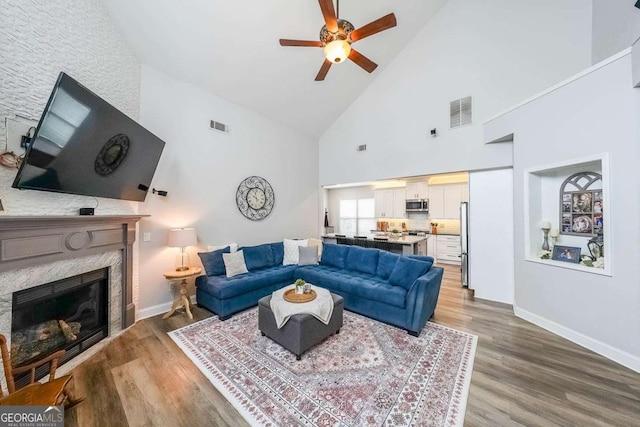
<point>329,14</point>
<point>381,24</point>
<point>302,43</point>
<point>323,70</point>
<point>364,62</point>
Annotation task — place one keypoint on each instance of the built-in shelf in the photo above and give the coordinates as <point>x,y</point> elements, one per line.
<point>542,189</point>
<point>571,266</point>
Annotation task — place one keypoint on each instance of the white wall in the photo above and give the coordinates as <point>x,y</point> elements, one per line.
<point>201,169</point>
<point>593,114</point>
<point>491,235</point>
<point>498,51</point>
<point>616,26</point>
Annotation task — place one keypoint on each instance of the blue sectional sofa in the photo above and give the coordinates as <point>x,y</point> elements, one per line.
<point>399,290</point>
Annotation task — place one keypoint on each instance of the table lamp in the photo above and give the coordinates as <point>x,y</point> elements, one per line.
<point>181,238</point>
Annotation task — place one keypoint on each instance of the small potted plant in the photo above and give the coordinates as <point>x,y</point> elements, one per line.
<point>434,228</point>
<point>300,286</point>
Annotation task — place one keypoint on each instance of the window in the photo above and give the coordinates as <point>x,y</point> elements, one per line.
<point>357,217</point>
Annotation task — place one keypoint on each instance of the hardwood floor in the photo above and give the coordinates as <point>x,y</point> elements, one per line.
<point>523,375</point>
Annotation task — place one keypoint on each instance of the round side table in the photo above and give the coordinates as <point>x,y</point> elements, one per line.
<point>181,300</point>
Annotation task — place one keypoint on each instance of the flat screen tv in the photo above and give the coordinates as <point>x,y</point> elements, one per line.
<point>84,145</point>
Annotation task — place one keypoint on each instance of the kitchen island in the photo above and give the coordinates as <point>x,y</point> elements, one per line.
<point>405,245</point>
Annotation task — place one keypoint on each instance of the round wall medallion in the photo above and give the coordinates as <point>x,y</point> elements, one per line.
<point>112,154</point>
<point>255,198</point>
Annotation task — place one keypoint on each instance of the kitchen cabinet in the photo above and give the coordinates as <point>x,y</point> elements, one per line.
<point>417,190</point>
<point>390,203</point>
<point>436,201</point>
<point>444,200</point>
<point>452,199</point>
<point>421,248</point>
<point>448,249</point>
<point>431,247</point>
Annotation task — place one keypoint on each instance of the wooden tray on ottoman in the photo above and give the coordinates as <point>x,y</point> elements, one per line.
<point>291,296</point>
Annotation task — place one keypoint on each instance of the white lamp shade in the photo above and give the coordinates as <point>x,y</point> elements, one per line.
<point>181,237</point>
<point>337,51</point>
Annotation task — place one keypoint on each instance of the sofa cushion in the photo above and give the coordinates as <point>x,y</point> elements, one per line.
<point>228,287</point>
<point>260,256</point>
<point>291,253</point>
<point>232,246</point>
<point>406,271</point>
<point>212,261</point>
<point>308,255</point>
<point>386,262</point>
<point>334,255</point>
<point>278,252</point>
<point>354,283</point>
<point>234,263</point>
<point>422,258</point>
<point>362,260</point>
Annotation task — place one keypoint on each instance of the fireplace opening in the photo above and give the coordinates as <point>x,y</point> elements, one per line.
<point>69,314</point>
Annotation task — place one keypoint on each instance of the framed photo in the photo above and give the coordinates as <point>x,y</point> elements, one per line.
<point>582,202</point>
<point>566,254</point>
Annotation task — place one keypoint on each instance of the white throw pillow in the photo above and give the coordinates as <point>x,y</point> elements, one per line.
<point>291,254</point>
<point>233,247</point>
<point>234,263</point>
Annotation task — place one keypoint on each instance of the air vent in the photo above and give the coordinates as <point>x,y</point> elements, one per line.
<point>220,127</point>
<point>461,112</point>
<point>362,147</point>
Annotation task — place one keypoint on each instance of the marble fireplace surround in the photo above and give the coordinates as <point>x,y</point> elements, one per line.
<point>39,249</point>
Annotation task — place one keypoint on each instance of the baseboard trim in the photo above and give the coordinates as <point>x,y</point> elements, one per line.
<point>617,355</point>
<point>147,312</point>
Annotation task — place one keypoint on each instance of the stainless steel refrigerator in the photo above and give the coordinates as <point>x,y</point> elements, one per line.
<point>464,243</point>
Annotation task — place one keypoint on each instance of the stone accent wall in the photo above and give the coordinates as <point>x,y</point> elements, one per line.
<point>38,40</point>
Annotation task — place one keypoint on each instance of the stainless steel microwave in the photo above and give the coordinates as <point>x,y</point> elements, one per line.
<point>417,205</point>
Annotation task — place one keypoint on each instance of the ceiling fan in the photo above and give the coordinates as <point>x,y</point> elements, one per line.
<point>337,36</point>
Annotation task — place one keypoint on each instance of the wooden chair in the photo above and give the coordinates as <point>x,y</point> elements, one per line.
<point>56,391</point>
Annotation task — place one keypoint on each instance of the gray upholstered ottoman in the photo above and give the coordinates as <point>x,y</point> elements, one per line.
<point>302,331</point>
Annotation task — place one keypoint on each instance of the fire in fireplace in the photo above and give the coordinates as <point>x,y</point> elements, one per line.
<point>69,314</point>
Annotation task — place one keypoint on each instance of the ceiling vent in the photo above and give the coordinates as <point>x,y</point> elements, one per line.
<point>362,147</point>
<point>461,112</point>
<point>220,127</point>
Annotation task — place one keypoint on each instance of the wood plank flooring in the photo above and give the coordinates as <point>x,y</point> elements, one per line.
<point>522,376</point>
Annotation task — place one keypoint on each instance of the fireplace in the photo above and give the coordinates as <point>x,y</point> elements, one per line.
<point>69,314</point>
<point>54,250</point>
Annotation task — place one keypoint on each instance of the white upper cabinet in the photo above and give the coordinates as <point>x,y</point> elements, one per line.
<point>417,190</point>
<point>445,199</point>
<point>436,201</point>
<point>390,203</point>
<point>452,199</point>
<point>399,203</point>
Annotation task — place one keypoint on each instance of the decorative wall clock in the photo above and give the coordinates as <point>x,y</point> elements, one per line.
<point>255,198</point>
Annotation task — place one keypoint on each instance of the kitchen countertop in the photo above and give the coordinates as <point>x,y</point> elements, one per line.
<point>404,240</point>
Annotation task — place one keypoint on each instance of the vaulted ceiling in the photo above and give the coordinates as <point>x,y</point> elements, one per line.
<point>230,48</point>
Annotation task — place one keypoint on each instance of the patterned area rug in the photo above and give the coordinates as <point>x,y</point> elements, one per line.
<point>371,374</point>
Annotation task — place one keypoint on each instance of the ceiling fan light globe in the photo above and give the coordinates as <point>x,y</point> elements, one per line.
<point>337,51</point>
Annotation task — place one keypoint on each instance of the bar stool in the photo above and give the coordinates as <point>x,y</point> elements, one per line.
<point>381,243</point>
<point>341,239</point>
<point>361,241</point>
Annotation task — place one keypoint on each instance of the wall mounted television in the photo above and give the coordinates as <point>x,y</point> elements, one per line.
<point>83,145</point>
